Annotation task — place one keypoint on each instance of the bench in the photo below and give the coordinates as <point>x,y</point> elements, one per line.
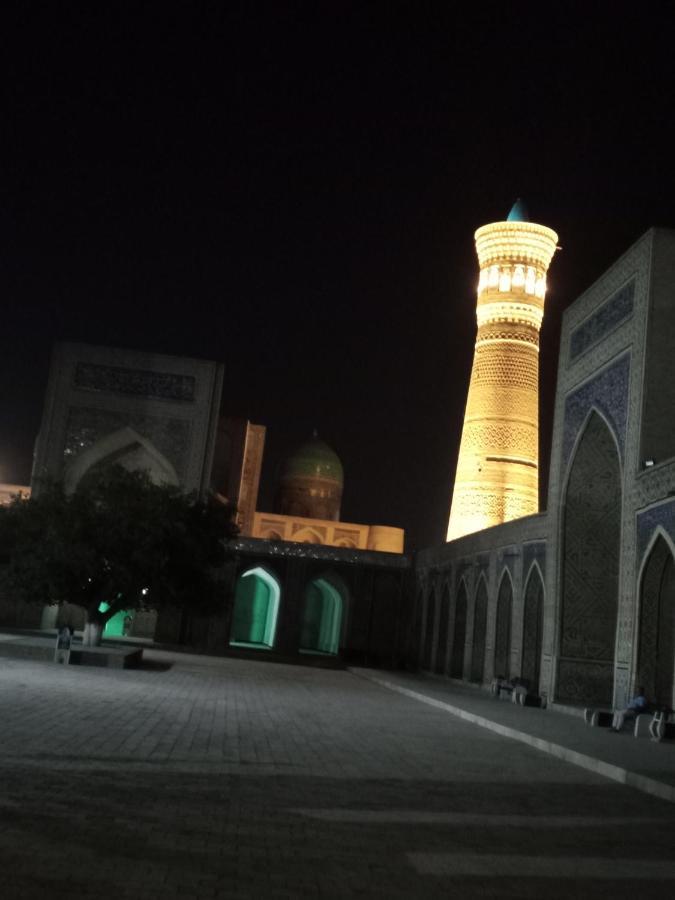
<point>662,725</point>
<point>642,725</point>
<point>598,718</point>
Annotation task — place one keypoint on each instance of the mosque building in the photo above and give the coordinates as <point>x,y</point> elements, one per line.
<point>577,600</point>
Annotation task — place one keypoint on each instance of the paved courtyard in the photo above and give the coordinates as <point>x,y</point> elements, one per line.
<point>203,778</point>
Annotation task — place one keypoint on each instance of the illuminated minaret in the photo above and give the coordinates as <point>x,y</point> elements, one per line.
<point>497,476</point>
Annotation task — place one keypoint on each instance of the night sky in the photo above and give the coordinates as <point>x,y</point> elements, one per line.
<point>293,190</point>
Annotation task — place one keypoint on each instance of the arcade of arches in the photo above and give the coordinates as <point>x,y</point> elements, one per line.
<point>446,642</point>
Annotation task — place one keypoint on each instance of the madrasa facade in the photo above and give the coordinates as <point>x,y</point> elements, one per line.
<point>577,601</point>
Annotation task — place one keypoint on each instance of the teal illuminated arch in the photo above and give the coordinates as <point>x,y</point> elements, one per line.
<point>322,617</point>
<point>118,625</point>
<point>256,607</point>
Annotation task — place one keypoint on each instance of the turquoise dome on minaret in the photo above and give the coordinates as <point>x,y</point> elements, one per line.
<point>518,212</point>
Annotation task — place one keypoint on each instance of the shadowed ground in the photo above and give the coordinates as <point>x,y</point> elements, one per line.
<point>229,778</point>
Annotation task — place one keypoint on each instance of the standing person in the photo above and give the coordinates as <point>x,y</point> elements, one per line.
<point>63,641</point>
<point>637,705</point>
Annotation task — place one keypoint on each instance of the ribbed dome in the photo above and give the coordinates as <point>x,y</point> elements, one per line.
<point>313,459</point>
<point>311,482</point>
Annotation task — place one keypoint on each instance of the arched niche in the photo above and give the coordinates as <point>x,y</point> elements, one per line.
<point>590,568</point>
<point>126,448</point>
<point>307,536</point>
<point>533,628</point>
<point>656,634</point>
<point>323,614</point>
<point>119,625</point>
<point>479,632</point>
<point>502,659</point>
<point>429,630</point>
<point>459,636</point>
<point>442,644</point>
<point>256,607</point>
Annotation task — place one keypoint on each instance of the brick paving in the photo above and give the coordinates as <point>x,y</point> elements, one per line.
<point>210,778</point>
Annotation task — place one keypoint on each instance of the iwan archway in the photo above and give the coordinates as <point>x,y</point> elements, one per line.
<point>656,643</point>
<point>323,615</point>
<point>533,627</point>
<point>502,667</point>
<point>590,569</point>
<point>479,632</point>
<point>459,635</point>
<point>256,607</point>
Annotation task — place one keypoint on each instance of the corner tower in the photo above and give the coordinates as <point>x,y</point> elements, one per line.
<point>497,476</point>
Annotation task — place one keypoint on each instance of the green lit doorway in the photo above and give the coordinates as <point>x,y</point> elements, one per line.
<point>120,624</point>
<point>256,608</point>
<point>322,616</point>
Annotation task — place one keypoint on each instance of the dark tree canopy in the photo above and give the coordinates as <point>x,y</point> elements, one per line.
<point>119,540</point>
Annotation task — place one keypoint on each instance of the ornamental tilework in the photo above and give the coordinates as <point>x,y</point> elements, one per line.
<point>139,382</point>
<point>534,551</point>
<point>609,316</point>
<point>647,521</point>
<point>172,437</point>
<point>608,392</point>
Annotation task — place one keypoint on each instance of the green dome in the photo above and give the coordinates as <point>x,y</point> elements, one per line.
<point>314,459</point>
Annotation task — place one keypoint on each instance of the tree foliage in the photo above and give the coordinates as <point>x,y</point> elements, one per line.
<point>119,540</point>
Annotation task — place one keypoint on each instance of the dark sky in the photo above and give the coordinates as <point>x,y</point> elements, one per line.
<point>293,190</point>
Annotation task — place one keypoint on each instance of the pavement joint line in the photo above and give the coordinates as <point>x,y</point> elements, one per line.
<point>598,766</point>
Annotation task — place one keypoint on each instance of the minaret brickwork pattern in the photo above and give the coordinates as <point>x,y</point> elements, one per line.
<point>497,476</point>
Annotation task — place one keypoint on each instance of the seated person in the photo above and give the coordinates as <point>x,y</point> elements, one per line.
<point>637,705</point>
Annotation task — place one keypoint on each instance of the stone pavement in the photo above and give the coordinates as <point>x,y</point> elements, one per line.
<point>640,763</point>
<point>198,777</point>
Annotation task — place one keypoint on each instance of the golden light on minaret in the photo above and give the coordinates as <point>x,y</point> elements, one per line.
<point>497,476</point>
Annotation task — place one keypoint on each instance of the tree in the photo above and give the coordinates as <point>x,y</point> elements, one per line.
<point>119,542</point>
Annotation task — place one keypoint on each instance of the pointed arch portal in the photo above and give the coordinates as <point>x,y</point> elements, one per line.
<point>256,607</point>
<point>441,646</point>
<point>479,629</point>
<point>533,627</point>
<point>656,646</point>
<point>590,569</point>
<point>503,632</point>
<point>459,637</point>
<point>322,617</point>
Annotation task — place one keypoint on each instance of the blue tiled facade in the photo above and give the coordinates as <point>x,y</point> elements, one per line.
<point>609,316</point>
<point>647,521</point>
<point>608,393</point>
